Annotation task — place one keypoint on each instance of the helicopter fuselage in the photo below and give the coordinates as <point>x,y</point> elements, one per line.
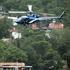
<point>26,19</point>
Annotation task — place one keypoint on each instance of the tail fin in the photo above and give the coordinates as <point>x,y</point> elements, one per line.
<point>61,15</point>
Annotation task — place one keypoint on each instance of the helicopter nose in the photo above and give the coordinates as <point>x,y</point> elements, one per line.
<point>20,21</point>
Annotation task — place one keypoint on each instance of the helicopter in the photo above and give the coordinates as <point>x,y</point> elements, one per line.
<point>31,17</point>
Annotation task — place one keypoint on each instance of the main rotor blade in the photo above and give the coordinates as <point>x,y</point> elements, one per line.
<point>17,12</point>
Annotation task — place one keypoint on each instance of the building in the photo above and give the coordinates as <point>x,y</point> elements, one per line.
<point>56,26</point>
<point>13,66</point>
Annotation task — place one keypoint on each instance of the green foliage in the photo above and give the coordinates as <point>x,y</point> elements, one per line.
<point>43,56</point>
<point>62,40</point>
<point>11,53</point>
<point>5,25</point>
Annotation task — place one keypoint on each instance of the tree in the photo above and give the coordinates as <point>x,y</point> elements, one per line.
<point>5,25</point>
<point>11,53</point>
<point>62,40</point>
<point>43,56</point>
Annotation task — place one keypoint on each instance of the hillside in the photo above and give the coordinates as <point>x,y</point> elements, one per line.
<point>35,48</point>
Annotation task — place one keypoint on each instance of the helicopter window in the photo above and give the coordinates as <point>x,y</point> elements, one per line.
<point>33,15</point>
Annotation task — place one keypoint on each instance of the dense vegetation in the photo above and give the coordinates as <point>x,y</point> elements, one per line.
<point>35,48</point>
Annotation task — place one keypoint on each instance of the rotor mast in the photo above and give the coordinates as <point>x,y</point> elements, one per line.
<point>30,8</point>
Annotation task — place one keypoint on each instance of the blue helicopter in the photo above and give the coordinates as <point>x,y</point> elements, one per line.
<point>32,17</point>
